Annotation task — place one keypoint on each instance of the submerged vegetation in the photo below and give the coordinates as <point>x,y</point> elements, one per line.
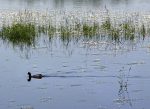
<point>23,28</point>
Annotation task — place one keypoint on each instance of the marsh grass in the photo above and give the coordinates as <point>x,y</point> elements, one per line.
<point>26,33</point>
<point>143,30</point>
<point>29,25</point>
<point>128,31</point>
<point>19,33</point>
<point>65,31</point>
<point>106,25</point>
<point>115,33</point>
<point>90,30</point>
<point>47,30</point>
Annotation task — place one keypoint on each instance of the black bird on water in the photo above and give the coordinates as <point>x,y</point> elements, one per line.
<point>37,76</point>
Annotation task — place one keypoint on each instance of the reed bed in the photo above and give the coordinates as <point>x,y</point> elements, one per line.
<point>24,26</point>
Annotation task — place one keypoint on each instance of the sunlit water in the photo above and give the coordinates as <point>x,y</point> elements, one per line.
<point>87,76</point>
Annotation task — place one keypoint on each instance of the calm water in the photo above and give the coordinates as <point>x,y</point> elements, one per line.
<point>86,76</point>
<point>75,4</point>
<point>83,76</point>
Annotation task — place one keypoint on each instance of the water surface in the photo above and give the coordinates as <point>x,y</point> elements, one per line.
<point>85,77</point>
<point>75,4</point>
<point>81,75</point>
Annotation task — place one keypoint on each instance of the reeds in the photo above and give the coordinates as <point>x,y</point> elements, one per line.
<point>19,33</point>
<point>23,27</point>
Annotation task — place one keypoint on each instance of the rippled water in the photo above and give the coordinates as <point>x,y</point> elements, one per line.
<point>80,75</point>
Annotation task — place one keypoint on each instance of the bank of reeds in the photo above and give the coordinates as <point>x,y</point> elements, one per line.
<point>19,33</point>
<point>23,27</point>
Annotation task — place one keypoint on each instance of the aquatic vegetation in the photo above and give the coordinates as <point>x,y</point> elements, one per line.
<point>87,30</point>
<point>90,30</point>
<point>23,27</point>
<point>115,33</point>
<point>65,31</point>
<point>19,33</point>
<point>65,35</point>
<point>126,28</point>
<point>106,25</point>
<point>50,30</point>
<point>143,30</point>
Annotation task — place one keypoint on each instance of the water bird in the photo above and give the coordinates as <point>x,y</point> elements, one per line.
<point>36,76</point>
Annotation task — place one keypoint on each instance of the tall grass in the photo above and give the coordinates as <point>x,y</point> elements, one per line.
<point>23,27</point>
<point>19,33</point>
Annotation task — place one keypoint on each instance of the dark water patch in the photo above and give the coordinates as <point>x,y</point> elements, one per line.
<point>75,85</point>
<point>70,72</point>
<point>136,91</point>
<point>136,63</point>
<point>139,77</point>
<point>131,63</point>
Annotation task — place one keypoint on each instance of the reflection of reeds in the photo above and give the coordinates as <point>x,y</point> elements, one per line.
<point>123,94</point>
<point>22,27</point>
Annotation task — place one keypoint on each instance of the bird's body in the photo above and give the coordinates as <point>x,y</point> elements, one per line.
<point>38,76</point>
